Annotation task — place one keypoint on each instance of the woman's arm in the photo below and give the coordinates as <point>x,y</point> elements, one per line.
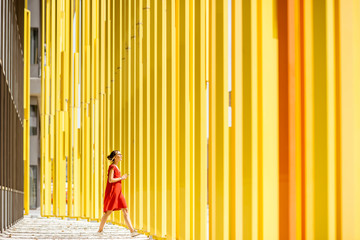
<point>114,180</point>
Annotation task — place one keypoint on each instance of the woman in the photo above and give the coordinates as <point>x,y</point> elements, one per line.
<point>114,199</point>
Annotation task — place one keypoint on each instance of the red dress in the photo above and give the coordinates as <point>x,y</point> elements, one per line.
<point>114,199</point>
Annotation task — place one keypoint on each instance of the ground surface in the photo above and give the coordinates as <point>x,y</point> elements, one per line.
<point>33,226</point>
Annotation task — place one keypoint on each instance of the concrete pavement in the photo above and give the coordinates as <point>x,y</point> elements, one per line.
<point>33,226</point>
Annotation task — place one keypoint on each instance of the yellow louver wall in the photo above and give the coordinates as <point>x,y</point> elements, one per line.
<point>282,79</point>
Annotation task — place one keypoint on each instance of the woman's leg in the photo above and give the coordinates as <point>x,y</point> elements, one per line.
<point>127,219</point>
<point>103,220</point>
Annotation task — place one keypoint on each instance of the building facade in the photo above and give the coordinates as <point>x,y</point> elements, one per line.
<point>34,7</point>
<point>11,112</point>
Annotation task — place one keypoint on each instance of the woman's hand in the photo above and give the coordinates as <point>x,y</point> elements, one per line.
<point>124,176</point>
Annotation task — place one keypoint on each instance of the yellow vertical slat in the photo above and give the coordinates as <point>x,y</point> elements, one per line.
<point>140,109</point>
<point>92,114</point>
<point>112,86</point>
<point>103,116</point>
<point>132,156</point>
<point>77,25</point>
<point>298,123</point>
<point>57,65</point>
<point>191,99</point>
<point>236,130</point>
<point>331,118</point>
<point>309,122</point>
<point>82,107</point>
<point>87,115</point>
<point>320,122</point>
<point>248,121</point>
<point>146,112</point>
<point>61,165</point>
<point>95,171</point>
<point>65,79</point>
<point>70,106</point>
<point>26,127</point>
<point>87,106</point>
<point>356,89</point>
<point>109,117</point>
<point>183,115</point>
<point>81,51</point>
<point>76,148</point>
<point>218,129</point>
<point>126,103</point>
<point>52,46</point>
<point>96,128</point>
<point>349,111</point>
<point>128,100</point>
<point>177,112</point>
<point>55,166</point>
<point>269,120</point>
<point>76,136</point>
<point>122,86</point>
<point>153,77</point>
<point>112,33</point>
<point>60,123</point>
<point>43,116</point>
<point>124,97</point>
<point>160,117</point>
<point>200,154</point>
<point>170,122</point>
<point>116,27</point>
<point>256,148</point>
<point>47,162</point>
<point>110,77</point>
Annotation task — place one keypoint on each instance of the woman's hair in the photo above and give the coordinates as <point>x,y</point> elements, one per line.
<point>113,154</point>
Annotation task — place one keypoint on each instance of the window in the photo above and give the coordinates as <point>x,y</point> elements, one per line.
<point>33,186</point>
<point>34,46</point>
<point>33,118</point>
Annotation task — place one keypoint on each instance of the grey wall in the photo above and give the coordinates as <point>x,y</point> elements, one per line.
<point>35,92</point>
<point>35,8</point>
